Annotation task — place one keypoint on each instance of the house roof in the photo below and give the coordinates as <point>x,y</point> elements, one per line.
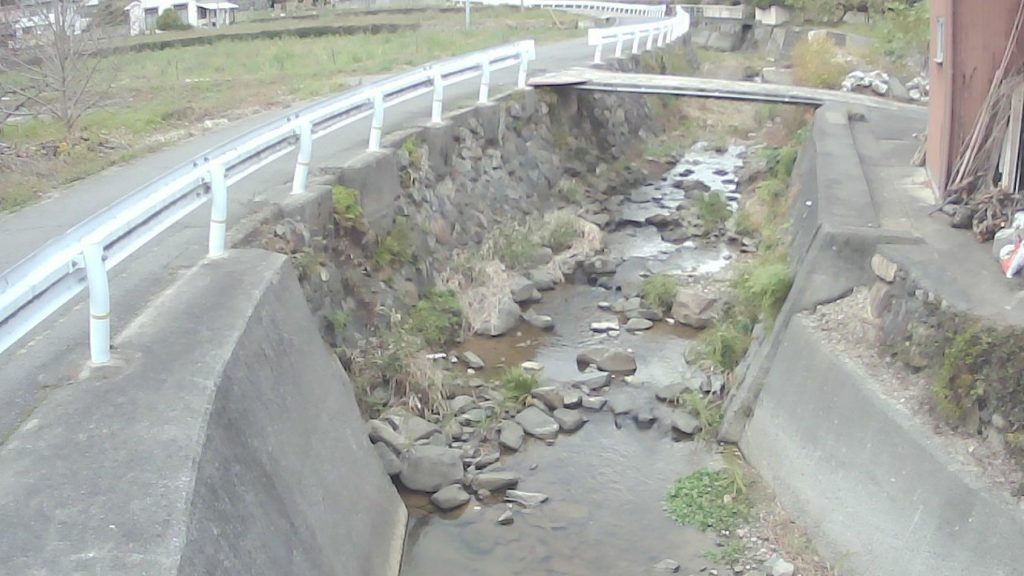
<point>217,5</point>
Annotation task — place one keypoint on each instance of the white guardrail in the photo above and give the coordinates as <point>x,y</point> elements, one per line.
<point>604,8</point>
<point>51,276</point>
<point>662,32</point>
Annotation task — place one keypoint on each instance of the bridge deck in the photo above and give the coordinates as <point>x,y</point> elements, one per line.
<point>605,80</point>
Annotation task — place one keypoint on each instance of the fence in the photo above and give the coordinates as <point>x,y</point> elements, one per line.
<point>662,32</point>
<point>51,276</point>
<point>603,8</point>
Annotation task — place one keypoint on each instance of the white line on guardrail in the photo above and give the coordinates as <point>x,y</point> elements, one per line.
<point>51,276</point>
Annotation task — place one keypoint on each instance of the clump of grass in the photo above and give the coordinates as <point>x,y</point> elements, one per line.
<point>780,162</point>
<point>395,248</point>
<point>518,385</point>
<point>659,291</point>
<point>414,148</point>
<point>571,190</point>
<point>709,501</point>
<point>393,365</point>
<point>346,203</point>
<point>561,231</point>
<point>514,244</point>
<point>961,383</point>
<point>437,318</point>
<point>816,63</point>
<point>725,343</point>
<point>308,263</point>
<point>707,410</point>
<point>763,287</point>
<point>339,320</point>
<point>728,554</point>
<point>714,211</point>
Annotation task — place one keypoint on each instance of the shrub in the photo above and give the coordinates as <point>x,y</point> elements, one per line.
<point>395,249</point>
<point>659,291</point>
<point>514,245</point>
<point>725,343</point>
<point>562,231</point>
<point>714,210</point>
<point>816,63</point>
<point>780,162</point>
<point>763,287</point>
<point>346,203</point>
<point>169,20</point>
<point>393,364</point>
<point>708,500</point>
<point>339,320</point>
<point>437,318</point>
<point>518,385</point>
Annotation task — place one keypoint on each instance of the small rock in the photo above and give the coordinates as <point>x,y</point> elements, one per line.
<point>685,422</point>
<point>638,325</point>
<point>621,404</point>
<point>549,395</point>
<point>568,420</point>
<point>572,399</point>
<point>483,495</point>
<point>645,417</point>
<point>381,432</point>
<point>392,465</point>
<point>472,360</point>
<point>543,279</point>
<point>532,366</point>
<point>522,290</point>
<point>593,382</point>
<point>461,404</point>
<point>617,361</point>
<point>526,499</point>
<point>485,460</point>
<point>627,305</point>
<point>884,268</point>
<point>474,416</point>
<point>594,402</point>
<point>430,468</point>
<point>667,566</point>
<point>536,423</point>
<point>506,518</point>
<point>779,567</point>
<point>604,326</point>
<point>495,480</point>
<point>538,320</point>
<point>604,305</point>
<point>670,392</point>
<point>502,319</point>
<point>510,435</point>
<point>450,497</point>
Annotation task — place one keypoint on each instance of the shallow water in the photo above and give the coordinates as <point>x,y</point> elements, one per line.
<point>606,482</point>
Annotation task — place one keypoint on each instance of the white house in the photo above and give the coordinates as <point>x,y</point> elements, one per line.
<point>142,14</point>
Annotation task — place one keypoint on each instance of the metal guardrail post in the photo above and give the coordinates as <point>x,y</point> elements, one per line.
<point>618,46</point>
<point>485,82</point>
<point>218,210</point>
<point>661,38</point>
<point>377,124</point>
<point>597,54</point>
<point>437,109</point>
<point>636,43</point>
<point>304,157</point>
<point>650,40</point>
<point>523,64</point>
<point>99,303</point>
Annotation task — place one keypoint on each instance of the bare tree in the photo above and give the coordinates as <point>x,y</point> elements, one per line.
<point>52,68</point>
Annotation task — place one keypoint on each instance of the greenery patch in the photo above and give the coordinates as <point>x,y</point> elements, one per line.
<point>437,318</point>
<point>396,248</point>
<point>707,410</point>
<point>816,63</point>
<point>561,231</point>
<point>514,245</point>
<point>346,203</point>
<point>709,501</point>
<point>518,385</point>
<point>714,210</point>
<point>659,291</point>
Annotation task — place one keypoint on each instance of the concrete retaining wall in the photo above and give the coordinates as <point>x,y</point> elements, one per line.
<point>224,440</point>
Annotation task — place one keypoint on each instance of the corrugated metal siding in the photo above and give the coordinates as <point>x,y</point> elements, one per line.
<point>977,33</point>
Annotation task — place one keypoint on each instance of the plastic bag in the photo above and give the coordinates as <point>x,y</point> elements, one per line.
<point>1012,258</point>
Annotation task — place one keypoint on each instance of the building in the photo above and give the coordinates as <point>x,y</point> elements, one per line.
<point>142,14</point>
<point>969,39</point>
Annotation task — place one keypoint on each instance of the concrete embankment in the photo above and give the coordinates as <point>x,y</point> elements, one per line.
<point>877,487</point>
<point>225,439</point>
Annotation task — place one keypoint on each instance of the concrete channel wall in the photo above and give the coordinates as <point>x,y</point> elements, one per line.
<point>224,440</point>
<point>870,484</point>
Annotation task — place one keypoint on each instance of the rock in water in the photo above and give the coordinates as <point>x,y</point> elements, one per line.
<point>532,366</point>
<point>671,392</point>
<point>461,404</point>
<point>506,518</point>
<point>450,497</point>
<point>667,566</point>
<point>381,432</point>
<point>538,320</point>
<point>503,318</point>
<point>685,422</point>
<point>621,404</point>
<point>617,361</point>
<point>591,382</point>
<point>472,360</point>
<point>430,468</point>
<point>638,325</point>
<point>414,428</point>
<point>526,499</point>
<point>568,420</point>
<point>495,480</point>
<point>693,308</point>
<point>572,399</point>
<point>645,417</point>
<point>392,465</point>
<point>549,395</point>
<point>604,326</point>
<point>510,435</point>
<point>522,290</point>
<point>594,402</point>
<point>537,423</point>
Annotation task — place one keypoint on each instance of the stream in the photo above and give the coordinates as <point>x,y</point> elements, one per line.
<point>606,482</point>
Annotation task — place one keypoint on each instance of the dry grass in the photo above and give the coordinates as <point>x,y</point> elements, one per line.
<point>816,63</point>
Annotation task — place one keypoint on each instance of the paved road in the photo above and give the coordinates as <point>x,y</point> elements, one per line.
<point>55,353</point>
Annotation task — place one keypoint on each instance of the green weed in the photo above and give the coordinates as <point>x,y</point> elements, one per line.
<point>707,410</point>
<point>728,554</point>
<point>346,203</point>
<point>437,318</point>
<point>518,385</point>
<point>708,500</point>
<point>396,248</point>
<point>659,291</point>
<point>339,320</point>
<point>763,286</point>
<point>571,190</point>
<point>714,210</point>
<point>514,245</point>
<point>816,63</point>
<point>961,381</point>
<point>725,343</point>
<point>562,230</point>
<point>308,262</point>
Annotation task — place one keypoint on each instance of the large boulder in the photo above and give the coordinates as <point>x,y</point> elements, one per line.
<point>692,308</point>
<point>413,428</point>
<point>617,361</point>
<point>536,423</point>
<point>503,317</point>
<point>494,480</point>
<point>523,290</point>
<point>568,420</point>
<point>430,468</point>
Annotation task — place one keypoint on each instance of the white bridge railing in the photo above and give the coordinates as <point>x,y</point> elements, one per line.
<point>51,276</point>
<point>604,8</point>
<point>642,36</point>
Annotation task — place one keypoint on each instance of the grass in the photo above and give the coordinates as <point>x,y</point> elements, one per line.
<point>728,554</point>
<point>561,231</point>
<point>518,385</point>
<point>726,343</point>
<point>816,63</point>
<point>308,262</point>
<point>339,320</point>
<point>960,382</point>
<point>659,291</point>
<point>571,190</point>
<point>158,97</point>
<point>346,203</point>
<point>395,249</point>
<point>709,501</point>
<point>714,210</point>
<point>513,244</point>
<point>437,318</point>
<point>763,286</point>
<point>707,410</point>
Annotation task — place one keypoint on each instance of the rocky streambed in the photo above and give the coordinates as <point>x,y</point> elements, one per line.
<point>570,478</point>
